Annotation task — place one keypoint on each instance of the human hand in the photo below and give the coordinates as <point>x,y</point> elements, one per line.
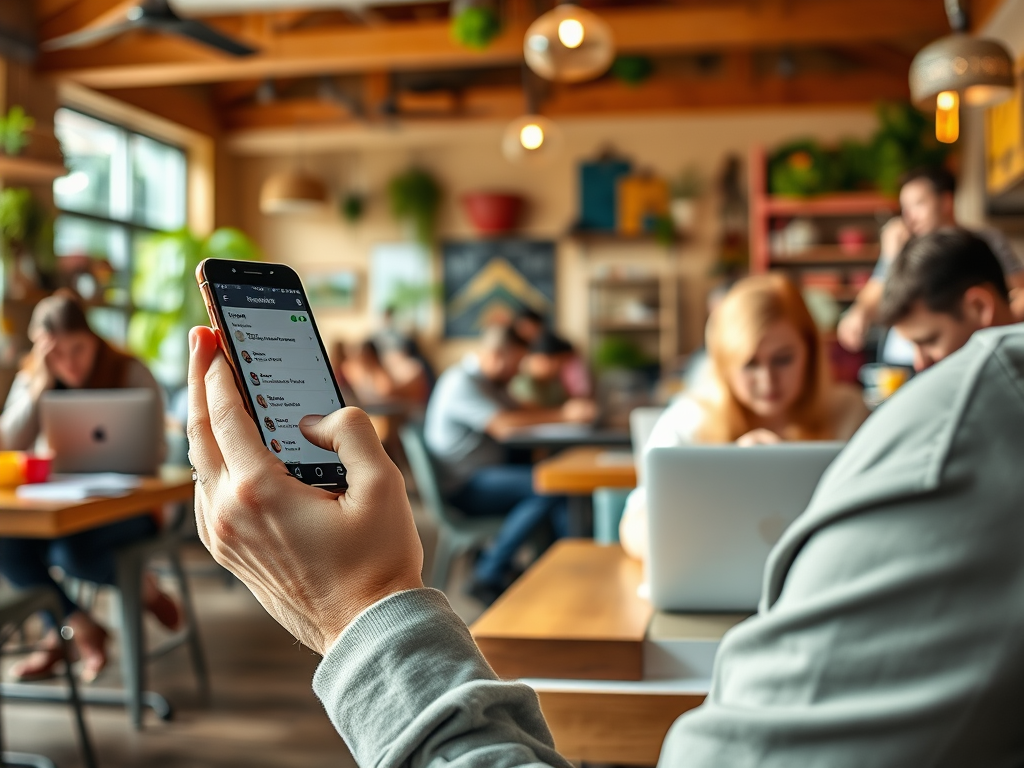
<point>852,329</point>
<point>758,437</point>
<point>43,378</point>
<point>579,411</point>
<point>894,235</point>
<point>313,559</point>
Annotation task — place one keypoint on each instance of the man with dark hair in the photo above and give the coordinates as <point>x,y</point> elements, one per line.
<point>926,200</point>
<point>529,324</point>
<point>942,288</point>
<point>469,413</point>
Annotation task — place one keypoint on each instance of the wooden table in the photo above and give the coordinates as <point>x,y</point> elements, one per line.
<point>52,519</point>
<point>574,629</point>
<point>577,473</point>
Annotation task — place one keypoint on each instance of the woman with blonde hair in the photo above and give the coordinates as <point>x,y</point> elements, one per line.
<point>66,355</point>
<point>767,382</point>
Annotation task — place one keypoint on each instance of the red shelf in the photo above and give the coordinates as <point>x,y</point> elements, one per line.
<point>851,204</point>
<point>828,255</point>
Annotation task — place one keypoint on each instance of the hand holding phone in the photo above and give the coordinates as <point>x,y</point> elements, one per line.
<point>261,316</point>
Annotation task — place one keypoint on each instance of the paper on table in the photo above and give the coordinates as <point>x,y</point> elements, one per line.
<point>79,487</point>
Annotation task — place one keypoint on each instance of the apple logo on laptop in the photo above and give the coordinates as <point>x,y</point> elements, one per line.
<point>99,435</point>
<point>771,528</point>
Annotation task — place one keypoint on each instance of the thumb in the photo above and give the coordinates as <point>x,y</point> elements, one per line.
<point>349,433</point>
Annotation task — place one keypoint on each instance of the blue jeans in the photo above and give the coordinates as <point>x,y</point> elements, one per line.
<point>508,490</point>
<point>88,555</point>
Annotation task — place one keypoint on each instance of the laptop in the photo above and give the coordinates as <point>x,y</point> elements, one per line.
<point>715,512</point>
<point>102,430</point>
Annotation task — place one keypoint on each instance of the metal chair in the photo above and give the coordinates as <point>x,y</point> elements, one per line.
<point>15,608</point>
<point>131,562</point>
<point>456,533</point>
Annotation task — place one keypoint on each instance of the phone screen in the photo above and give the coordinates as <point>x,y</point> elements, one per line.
<point>284,370</point>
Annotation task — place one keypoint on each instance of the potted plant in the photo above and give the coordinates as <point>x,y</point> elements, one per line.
<point>493,213</point>
<point>415,200</point>
<point>14,129</point>
<point>166,299</point>
<point>26,242</point>
<point>686,190</point>
<point>475,23</point>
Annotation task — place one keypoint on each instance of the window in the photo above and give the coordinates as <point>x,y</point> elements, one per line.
<point>121,187</point>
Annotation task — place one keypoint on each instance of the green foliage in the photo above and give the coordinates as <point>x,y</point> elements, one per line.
<point>408,297</point>
<point>352,207</point>
<point>14,129</point>
<point>904,140</point>
<point>416,198</point>
<point>166,299</point>
<point>632,70</point>
<point>664,230</point>
<point>476,26</point>
<point>26,226</point>
<point>618,353</point>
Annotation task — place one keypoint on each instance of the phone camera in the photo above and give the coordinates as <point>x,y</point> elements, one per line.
<point>271,271</point>
<point>233,269</point>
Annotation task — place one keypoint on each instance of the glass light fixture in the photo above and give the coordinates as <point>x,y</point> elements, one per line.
<point>959,69</point>
<point>531,139</point>
<point>569,44</point>
<point>292,192</point>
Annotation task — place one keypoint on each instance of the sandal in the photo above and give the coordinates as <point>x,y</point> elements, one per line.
<point>42,663</point>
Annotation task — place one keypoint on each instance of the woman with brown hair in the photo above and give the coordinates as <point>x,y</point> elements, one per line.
<point>768,382</point>
<point>67,354</point>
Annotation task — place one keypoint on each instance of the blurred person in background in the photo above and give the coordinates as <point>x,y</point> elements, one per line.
<point>392,378</point>
<point>469,413</point>
<point>768,382</point>
<point>539,382</point>
<point>943,288</point>
<point>575,373</point>
<point>66,355</point>
<point>927,205</point>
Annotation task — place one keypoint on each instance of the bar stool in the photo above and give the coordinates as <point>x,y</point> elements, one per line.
<point>15,608</point>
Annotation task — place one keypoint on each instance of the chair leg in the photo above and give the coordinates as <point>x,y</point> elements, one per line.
<point>88,757</point>
<point>444,553</point>
<point>133,662</point>
<point>195,647</point>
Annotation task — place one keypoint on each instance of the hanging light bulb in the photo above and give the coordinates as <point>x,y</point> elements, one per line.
<point>532,139</point>
<point>947,117</point>
<point>569,44</point>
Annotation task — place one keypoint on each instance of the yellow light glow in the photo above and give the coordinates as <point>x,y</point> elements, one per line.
<point>531,136</point>
<point>947,117</point>
<point>570,32</point>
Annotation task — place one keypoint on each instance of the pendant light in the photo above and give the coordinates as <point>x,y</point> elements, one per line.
<point>292,192</point>
<point>569,44</point>
<point>959,70</point>
<point>531,139</point>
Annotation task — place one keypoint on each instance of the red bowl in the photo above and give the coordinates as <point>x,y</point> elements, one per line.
<point>493,213</point>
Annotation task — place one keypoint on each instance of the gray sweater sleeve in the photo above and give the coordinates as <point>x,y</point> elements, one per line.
<point>405,685</point>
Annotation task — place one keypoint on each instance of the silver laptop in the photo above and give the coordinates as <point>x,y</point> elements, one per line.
<point>715,512</point>
<point>102,430</point>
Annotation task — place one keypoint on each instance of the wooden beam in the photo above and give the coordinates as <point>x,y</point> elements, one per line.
<point>187,105</point>
<point>736,87</point>
<point>142,59</point>
<point>84,14</point>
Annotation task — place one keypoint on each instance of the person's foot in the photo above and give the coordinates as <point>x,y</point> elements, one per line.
<point>160,604</point>
<point>42,663</point>
<point>90,642</point>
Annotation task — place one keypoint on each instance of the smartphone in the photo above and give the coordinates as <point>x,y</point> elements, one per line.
<point>261,316</point>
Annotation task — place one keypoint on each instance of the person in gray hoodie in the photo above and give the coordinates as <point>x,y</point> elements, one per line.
<point>890,630</point>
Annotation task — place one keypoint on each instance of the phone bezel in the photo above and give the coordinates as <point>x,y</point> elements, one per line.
<point>267,275</point>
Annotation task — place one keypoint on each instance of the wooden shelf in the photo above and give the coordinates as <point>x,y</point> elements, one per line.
<point>632,283</point>
<point>849,204</point>
<point>614,326</point>
<point>597,237</point>
<point>29,170</point>
<point>828,256</point>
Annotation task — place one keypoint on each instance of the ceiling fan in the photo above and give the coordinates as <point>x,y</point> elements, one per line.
<point>153,16</point>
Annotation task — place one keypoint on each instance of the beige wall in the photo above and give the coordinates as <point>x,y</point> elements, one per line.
<point>467,158</point>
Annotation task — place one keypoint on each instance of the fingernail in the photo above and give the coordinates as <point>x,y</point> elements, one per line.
<point>310,420</point>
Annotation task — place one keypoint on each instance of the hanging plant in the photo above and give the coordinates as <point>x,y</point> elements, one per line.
<point>632,70</point>
<point>14,130</point>
<point>352,207</point>
<point>475,23</point>
<point>415,199</point>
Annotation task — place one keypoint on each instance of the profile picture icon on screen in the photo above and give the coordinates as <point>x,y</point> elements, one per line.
<point>276,446</point>
<point>239,335</point>
<point>246,356</point>
<point>261,401</point>
<point>270,423</point>
<point>254,378</point>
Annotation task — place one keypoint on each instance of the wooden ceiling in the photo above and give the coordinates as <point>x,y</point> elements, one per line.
<point>399,62</point>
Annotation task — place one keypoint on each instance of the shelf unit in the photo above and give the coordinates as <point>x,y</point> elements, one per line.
<point>644,310</point>
<point>846,266</point>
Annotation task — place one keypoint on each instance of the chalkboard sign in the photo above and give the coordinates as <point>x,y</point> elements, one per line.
<point>488,282</point>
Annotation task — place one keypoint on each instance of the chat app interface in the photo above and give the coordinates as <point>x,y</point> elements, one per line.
<point>284,370</point>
